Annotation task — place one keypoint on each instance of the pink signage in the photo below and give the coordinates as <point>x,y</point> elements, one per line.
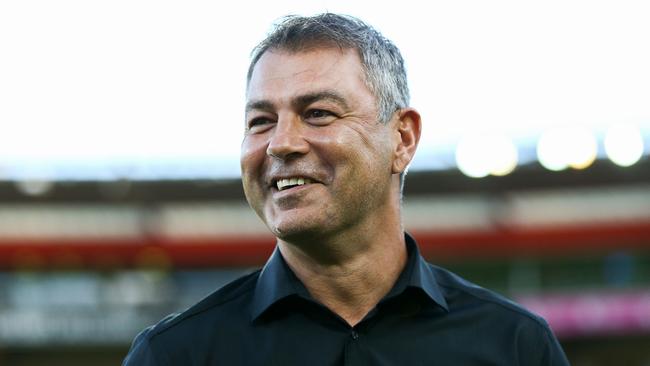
<point>592,313</point>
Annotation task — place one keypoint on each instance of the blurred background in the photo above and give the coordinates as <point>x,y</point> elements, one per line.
<point>120,125</point>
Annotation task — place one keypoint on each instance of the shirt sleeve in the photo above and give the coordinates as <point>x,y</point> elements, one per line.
<point>538,346</point>
<point>141,352</point>
<point>553,354</point>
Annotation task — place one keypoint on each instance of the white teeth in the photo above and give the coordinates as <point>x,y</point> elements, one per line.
<point>288,182</point>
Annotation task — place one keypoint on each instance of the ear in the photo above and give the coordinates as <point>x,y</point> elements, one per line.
<point>407,137</point>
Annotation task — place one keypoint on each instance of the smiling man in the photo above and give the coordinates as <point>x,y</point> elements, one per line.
<point>329,135</point>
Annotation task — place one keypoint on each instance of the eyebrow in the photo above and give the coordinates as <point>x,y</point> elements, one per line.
<point>300,101</point>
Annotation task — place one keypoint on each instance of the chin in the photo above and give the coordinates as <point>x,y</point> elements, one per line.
<point>301,225</point>
<point>297,231</point>
<point>286,231</point>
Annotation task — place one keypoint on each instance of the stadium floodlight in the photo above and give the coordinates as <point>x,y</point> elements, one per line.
<point>561,148</point>
<point>478,156</point>
<point>624,144</point>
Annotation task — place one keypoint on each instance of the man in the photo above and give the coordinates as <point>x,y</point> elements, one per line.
<point>329,135</point>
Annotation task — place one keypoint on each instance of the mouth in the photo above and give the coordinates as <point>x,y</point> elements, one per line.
<point>288,183</point>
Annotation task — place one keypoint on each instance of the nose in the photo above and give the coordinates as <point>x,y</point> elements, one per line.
<point>288,139</point>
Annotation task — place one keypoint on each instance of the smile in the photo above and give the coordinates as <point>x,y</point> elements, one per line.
<point>287,183</point>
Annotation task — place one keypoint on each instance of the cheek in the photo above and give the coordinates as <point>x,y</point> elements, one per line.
<point>369,150</point>
<point>253,152</point>
<point>252,158</point>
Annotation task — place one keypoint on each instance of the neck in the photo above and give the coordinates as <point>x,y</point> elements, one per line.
<point>351,274</point>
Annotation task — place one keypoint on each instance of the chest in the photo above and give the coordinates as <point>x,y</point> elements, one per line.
<point>399,341</point>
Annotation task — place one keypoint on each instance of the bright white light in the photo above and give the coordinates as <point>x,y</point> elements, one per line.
<point>552,148</point>
<point>560,148</point>
<point>480,155</point>
<point>470,156</point>
<point>156,88</point>
<point>624,144</point>
<point>503,155</point>
<point>584,148</point>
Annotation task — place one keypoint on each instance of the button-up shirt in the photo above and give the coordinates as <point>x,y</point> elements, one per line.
<point>430,317</point>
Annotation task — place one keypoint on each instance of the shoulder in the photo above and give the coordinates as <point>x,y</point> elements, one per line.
<point>464,294</point>
<point>220,308</point>
<point>508,323</point>
<point>498,322</point>
<point>488,309</point>
<point>214,304</point>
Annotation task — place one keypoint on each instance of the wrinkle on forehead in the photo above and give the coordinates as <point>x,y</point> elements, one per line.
<point>271,72</point>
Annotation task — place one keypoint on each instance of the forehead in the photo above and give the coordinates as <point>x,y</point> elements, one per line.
<point>279,74</point>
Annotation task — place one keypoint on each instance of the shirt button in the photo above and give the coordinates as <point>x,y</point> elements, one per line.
<point>354,335</point>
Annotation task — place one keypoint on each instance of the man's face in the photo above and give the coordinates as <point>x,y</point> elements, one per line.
<point>315,160</point>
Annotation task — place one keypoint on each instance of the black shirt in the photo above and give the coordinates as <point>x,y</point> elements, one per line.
<point>430,317</point>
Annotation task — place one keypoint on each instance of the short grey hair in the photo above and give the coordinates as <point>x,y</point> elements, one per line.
<point>382,62</point>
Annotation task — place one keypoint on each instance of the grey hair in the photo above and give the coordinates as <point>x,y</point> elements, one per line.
<point>382,62</point>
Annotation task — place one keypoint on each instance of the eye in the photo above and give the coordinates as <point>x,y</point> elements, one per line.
<point>319,116</point>
<point>318,113</point>
<point>258,123</point>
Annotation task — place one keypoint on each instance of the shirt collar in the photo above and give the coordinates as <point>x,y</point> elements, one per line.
<point>276,281</point>
<point>418,274</point>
